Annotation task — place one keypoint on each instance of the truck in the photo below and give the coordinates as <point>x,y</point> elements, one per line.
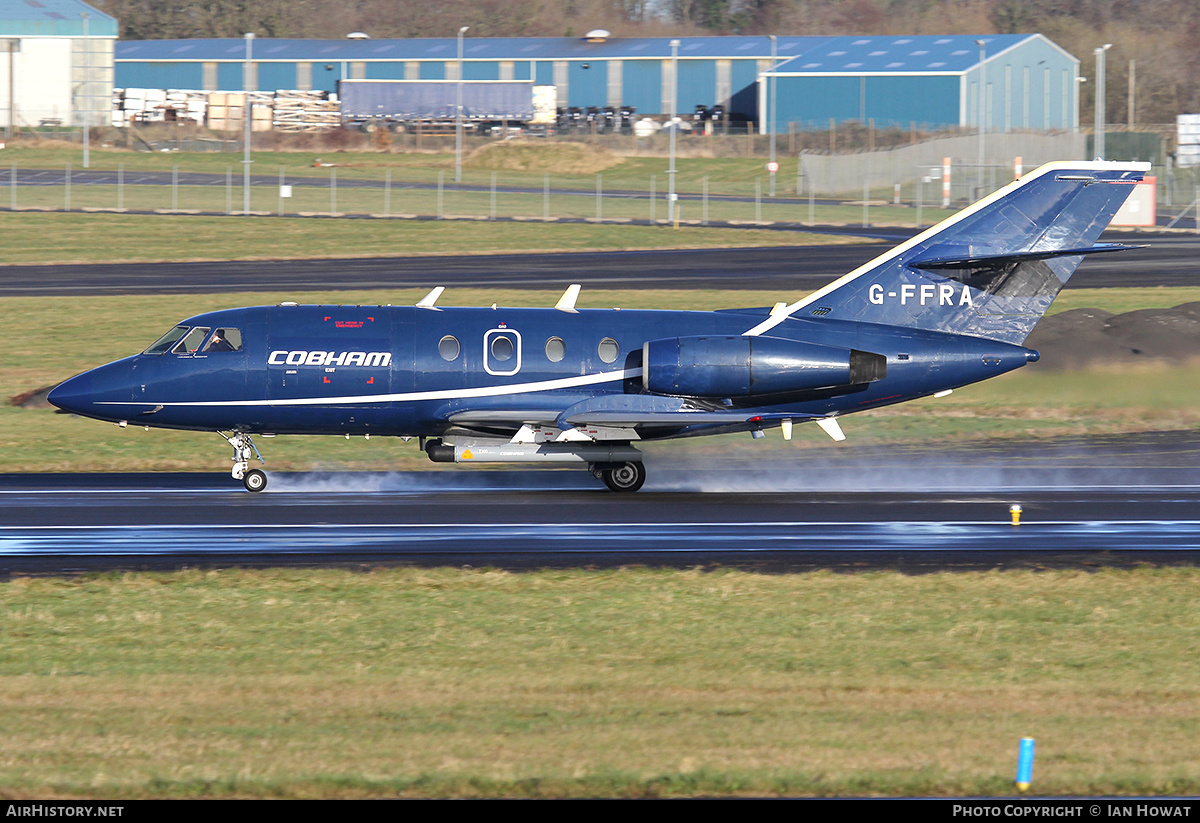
<point>431,105</point>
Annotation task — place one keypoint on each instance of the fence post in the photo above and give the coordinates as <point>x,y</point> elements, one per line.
<point>867,194</point>
<point>812,212</point>
<point>12,185</point>
<point>920,196</point>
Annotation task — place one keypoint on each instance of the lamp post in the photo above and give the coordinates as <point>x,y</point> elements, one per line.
<point>674,127</point>
<point>12,45</point>
<point>86,89</point>
<point>982,103</point>
<point>1100,101</point>
<point>247,110</point>
<point>771,119</point>
<point>458,110</point>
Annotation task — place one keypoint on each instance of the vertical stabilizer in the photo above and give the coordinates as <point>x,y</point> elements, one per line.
<point>993,269</point>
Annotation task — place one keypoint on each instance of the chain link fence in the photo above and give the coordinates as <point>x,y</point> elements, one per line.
<point>899,186</point>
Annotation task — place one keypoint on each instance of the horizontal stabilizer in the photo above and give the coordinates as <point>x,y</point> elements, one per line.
<point>998,261</point>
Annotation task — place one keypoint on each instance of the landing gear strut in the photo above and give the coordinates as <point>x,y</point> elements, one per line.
<point>620,477</point>
<point>254,480</point>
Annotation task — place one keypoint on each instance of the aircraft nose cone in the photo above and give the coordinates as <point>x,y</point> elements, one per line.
<point>103,393</point>
<point>74,395</point>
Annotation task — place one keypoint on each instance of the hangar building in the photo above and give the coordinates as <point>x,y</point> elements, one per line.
<point>56,63</point>
<point>1028,82</point>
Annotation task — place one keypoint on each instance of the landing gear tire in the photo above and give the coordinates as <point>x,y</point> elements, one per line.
<point>627,477</point>
<point>254,480</point>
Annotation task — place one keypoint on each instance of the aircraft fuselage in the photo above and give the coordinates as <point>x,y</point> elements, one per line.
<point>402,370</point>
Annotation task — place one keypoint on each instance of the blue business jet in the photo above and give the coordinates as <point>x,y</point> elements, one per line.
<point>950,307</point>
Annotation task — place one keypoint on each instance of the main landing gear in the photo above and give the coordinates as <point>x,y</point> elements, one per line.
<point>255,480</point>
<point>620,477</point>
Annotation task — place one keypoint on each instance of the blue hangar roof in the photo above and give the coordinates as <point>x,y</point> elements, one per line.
<point>926,54</point>
<point>446,48</point>
<point>52,18</point>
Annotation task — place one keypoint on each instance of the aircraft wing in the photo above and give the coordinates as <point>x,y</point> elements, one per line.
<point>643,410</point>
<point>626,411</point>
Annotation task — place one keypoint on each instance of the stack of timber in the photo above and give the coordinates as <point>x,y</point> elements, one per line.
<point>296,111</point>
<point>157,106</point>
<point>306,111</point>
<point>225,110</point>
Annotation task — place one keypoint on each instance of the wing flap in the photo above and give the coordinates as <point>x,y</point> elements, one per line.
<point>498,417</point>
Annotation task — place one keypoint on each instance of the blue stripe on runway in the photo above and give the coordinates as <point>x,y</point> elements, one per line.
<point>681,538</point>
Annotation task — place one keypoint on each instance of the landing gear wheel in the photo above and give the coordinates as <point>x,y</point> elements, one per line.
<point>254,480</point>
<point>627,477</point>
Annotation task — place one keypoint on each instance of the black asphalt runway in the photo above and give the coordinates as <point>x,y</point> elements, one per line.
<point>1089,502</point>
<point>1168,260</point>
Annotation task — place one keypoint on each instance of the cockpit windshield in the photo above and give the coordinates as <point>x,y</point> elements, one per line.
<point>180,340</point>
<point>164,343</point>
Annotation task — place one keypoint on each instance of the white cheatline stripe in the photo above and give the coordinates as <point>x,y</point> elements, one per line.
<point>783,314</point>
<point>444,394</point>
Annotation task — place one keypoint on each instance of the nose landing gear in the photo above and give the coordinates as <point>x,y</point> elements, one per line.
<point>255,480</point>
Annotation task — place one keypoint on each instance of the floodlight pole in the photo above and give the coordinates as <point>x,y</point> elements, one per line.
<point>674,127</point>
<point>1098,142</point>
<point>771,120</point>
<point>247,110</point>
<point>458,112</point>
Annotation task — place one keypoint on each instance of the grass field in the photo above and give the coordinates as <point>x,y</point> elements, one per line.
<point>626,683</point>
<point>36,237</point>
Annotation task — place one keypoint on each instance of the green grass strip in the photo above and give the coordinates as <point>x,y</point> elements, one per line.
<point>623,683</point>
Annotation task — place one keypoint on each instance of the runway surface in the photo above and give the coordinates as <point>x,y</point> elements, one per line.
<point>1169,260</point>
<point>1085,502</point>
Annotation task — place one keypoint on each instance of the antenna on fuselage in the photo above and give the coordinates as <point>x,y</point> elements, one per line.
<point>567,301</point>
<point>428,300</point>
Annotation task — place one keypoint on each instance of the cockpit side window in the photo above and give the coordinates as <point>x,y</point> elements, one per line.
<point>164,343</point>
<point>190,344</point>
<point>224,340</point>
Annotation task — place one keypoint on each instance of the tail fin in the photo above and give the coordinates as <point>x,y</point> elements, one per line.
<point>993,269</point>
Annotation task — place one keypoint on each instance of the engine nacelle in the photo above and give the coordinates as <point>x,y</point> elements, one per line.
<point>752,366</point>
